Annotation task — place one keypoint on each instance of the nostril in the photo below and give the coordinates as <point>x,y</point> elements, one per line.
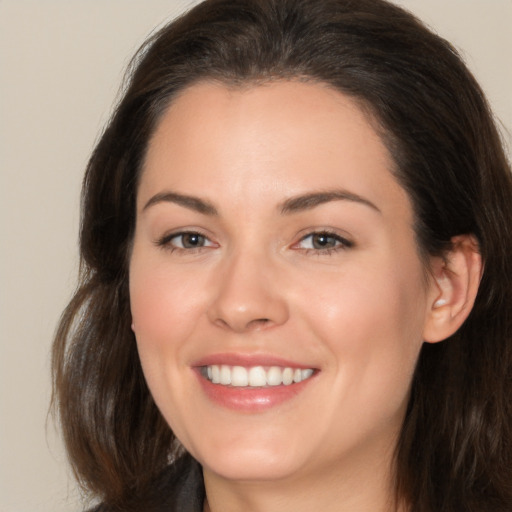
<point>252,325</point>
<point>258,322</point>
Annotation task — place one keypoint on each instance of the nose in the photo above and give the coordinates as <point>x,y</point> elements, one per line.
<point>248,296</point>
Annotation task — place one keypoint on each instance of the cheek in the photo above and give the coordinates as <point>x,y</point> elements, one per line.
<point>164,304</point>
<point>165,308</point>
<point>386,300</point>
<point>371,322</point>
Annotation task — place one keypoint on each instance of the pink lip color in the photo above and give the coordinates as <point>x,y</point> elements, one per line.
<point>246,399</point>
<point>248,360</point>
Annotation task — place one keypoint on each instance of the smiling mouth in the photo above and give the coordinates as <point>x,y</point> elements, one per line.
<point>255,376</point>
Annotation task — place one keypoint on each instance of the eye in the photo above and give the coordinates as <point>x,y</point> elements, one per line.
<point>323,241</point>
<point>187,240</point>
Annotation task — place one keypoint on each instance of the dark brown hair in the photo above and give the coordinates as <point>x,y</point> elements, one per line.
<point>455,449</point>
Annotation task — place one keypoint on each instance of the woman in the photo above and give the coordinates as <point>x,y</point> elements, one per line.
<point>295,278</point>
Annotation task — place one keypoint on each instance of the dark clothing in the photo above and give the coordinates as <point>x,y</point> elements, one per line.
<point>190,494</point>
<point>179,488</point>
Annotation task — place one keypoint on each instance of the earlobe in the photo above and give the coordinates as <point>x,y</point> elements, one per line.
<point>455,281</point>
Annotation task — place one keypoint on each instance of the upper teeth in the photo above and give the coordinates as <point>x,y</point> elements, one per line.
<point>255,376</point>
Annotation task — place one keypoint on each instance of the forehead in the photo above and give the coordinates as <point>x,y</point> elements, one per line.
<point>281,138</point>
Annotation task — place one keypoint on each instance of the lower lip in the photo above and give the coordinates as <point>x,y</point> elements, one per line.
<point>248,399</point>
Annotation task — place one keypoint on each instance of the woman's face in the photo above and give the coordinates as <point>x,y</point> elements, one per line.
<point>275,250</point>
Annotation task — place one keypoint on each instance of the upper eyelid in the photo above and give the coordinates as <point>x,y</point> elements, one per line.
<point>166,238</point>
<point>343,245</point>
<point>329,232</point>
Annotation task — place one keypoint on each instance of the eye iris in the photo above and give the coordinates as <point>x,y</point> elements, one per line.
<point>191,240</point>
<point>323,241</point>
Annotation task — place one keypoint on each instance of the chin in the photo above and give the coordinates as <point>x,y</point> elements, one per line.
<point>248,460</point>
<point>249,467</point>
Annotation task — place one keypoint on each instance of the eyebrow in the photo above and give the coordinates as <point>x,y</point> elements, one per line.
<point>309,201</point>
<point>190,202</point>
<point>292,205</point>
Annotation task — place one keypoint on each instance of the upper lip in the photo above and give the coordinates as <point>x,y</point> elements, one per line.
<point>249,360</point>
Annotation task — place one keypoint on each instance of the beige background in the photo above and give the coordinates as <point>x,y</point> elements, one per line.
<point>61,62</point>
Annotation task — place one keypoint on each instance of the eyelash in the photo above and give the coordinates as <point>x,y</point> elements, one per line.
<point>341,243</point>
<point>166,242</point>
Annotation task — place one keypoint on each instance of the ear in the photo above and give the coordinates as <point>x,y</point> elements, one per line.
<point>455,280</point>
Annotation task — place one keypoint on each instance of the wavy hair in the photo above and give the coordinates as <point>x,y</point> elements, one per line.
<point>455,447</point>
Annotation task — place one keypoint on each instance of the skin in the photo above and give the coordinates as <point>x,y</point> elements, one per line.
<point>357,313</point>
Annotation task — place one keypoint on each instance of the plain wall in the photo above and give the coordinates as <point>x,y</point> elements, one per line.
<point>61,63</point>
